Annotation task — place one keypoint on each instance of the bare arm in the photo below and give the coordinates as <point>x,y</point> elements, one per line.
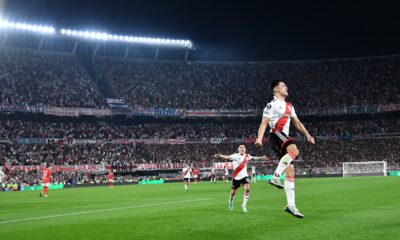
<point>263,158</point>
<point>300,127</point>
<point>261,131</point>
<point>225,157</point>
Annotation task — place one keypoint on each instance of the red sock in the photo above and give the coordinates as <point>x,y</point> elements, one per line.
<point>46,190</point>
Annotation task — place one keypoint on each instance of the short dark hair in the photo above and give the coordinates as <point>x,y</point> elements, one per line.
<point>274,84</point>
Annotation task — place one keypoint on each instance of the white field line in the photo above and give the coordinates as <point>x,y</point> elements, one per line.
<point>103,210</point>
<point>80,201</point>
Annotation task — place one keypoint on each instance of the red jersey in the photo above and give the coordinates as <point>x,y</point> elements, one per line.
<point>196,172</point>
<point>110,176</point>
<point>46,175</point>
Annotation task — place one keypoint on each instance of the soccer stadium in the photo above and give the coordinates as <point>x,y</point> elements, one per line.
<point>108,133</point>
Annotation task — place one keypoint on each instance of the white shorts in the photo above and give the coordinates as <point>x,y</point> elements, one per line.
<point>45,184</point>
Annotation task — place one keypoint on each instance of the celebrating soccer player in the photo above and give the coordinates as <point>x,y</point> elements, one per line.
<point>239,175</point>
<point>277,114</point>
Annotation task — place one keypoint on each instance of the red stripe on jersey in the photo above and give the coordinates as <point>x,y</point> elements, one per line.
<point>241,166</point>
<point>280,124</point>
<point>186,172</point>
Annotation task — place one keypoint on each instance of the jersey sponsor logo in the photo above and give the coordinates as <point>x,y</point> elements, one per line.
<point>284,115</point>
<point>269,106</point>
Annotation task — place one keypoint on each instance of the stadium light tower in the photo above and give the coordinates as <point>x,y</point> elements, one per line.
<point>148,41</point>
<point>4,24</point>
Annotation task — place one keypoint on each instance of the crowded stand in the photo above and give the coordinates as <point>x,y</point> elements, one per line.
<point>45,79</point>
<point>312,84</point>
<point>337,142</point>
<point>67,154</point>
<point>59,80</point>
<point>326,157</point>
<point>16,129</point>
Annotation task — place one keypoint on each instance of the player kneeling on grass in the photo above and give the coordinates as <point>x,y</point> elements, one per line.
<point>239,175</point>
<point>46,177</point>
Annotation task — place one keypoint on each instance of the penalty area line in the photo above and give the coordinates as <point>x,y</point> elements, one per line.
<point>103,210</point>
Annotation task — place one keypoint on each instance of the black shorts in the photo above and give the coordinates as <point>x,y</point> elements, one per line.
<point>237,183</point>
<point>279,142</point>
<point>186,180</point>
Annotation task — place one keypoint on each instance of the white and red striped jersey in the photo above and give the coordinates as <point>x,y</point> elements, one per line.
<point>187,172</point>
<point>239,165</point>
<point>279,112</point>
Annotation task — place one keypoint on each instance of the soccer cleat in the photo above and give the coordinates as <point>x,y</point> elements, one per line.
<point>231,205</point>
<point>244,208</point>
<point>275,182</point>
<point>294,211</point>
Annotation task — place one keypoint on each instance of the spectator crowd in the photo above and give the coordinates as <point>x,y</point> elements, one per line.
<point>54,79</point>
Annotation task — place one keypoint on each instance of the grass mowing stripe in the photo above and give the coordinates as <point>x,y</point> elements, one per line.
<point>103,210</point>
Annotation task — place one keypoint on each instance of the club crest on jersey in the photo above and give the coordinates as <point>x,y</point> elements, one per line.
<point>269,106</point>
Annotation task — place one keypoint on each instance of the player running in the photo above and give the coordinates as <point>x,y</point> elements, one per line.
<point>277,114</point>
<point>110,179</point>
<point>46,177</point>
<point>186,173</point>
<point>239,175</point>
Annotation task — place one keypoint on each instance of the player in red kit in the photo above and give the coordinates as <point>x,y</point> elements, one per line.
<point>46,177</point>
<point>110,177</point>
<point>195,175</point>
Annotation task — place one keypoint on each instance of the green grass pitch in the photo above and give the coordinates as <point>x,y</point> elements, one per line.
<point>334,208</point>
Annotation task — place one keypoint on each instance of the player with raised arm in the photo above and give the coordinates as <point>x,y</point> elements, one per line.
<point>278,114</point>
<point>239,175</point>
<point>186,174</point>
<point>46,177</point>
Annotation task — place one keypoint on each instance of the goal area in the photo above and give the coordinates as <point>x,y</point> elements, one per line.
<point>352,169</point>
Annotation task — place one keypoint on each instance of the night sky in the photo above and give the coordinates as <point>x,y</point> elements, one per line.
<point>234,30</point>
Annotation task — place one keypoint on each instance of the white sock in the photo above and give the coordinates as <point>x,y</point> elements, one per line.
<point>289,189</point>
<point>186,187</point>
<point>245,199</point>
<point>283,164</point>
